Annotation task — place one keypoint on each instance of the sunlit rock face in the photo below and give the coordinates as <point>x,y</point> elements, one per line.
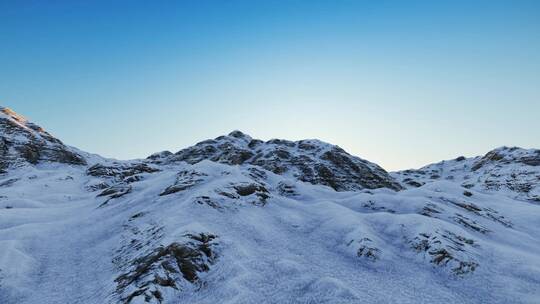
<point>311,161</point>
<point>24,142</point>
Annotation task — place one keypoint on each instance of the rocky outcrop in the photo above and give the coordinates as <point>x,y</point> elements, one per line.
<point>114,191</point>
<point>121,172</point>
<point>310,161</point>
<point>366,249</point>
<point>115,178</point>
<point>185,179</point>
<point>219,191</point>
<point>167,267</point>
<point>24,142</point>
<point>447,249</point>
<point>506,155</point>
<point>512,171</point>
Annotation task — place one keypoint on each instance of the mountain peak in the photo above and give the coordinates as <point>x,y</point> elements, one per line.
<point>509,155</point>
<point>22,141</point>
<point>513,171</point>
<point>234,213</point>
<point>9,112</point>
<point>17,121</point>
<point>311,161</point>
<point>239,134</point>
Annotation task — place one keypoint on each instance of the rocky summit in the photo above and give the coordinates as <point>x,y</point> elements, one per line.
<point>240,220</point>
<point>24,142</point>
<point>510,171</point>
<point>311,161</point>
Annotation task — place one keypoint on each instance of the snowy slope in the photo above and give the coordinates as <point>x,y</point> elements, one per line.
<point>194,227</point>
<point>513,172</point>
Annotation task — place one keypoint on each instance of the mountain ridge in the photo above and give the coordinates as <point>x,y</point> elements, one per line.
<point>223,222</point>
<point>23,141</point>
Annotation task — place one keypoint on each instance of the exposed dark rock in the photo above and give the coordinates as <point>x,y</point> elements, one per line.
<point>120,171</point>
<point>185,179</point>
<point>249,189</point>
<point>133,179</point>
<point>97,186</point>
<point>371,205</point>
<point>9,182</point>
<point>239,134</point>
<point>367,250</point>
<point>257,174</point>
<point>467,185</point>
<point>535,199</point>
<point>469,223</point>
<point>206,200</point>
<point>137,215</point>
<point>24,142</point>
<point>287,189</point>
<point>447,249</point>
<point>514,169</point>
<point>115,191</point>
<point>310,161</point>
<point>29,152</point>
<point>411,182</point>
<point>507,155</point>
<point>430,210</point>
<point>491,156</point>
<point>259,191</point>
<point>532,160</point>
<point>160,155</point>
<point>167,267</point>
<point>487,213</point>
<point>231,195</point>
<point>236,194</point>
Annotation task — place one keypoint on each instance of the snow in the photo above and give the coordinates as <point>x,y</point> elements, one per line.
<point>21,122</point>
<point>57,245</point>
<point>462,231</point>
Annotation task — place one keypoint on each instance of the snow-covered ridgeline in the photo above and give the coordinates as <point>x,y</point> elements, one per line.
<point>236,220</point>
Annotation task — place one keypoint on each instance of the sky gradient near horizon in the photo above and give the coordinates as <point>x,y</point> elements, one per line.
<point>400,83</point>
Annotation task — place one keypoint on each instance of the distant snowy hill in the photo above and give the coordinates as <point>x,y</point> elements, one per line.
<point>239,220</point>
<point>513,172</point>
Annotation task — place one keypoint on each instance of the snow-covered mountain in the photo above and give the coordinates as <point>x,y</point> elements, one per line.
<point>513,172</point>
<point>22,141</point>
<point>310,161</point>
<point>239,220</point>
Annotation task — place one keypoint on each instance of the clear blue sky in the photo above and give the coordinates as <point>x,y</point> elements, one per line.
<point>400,83</point>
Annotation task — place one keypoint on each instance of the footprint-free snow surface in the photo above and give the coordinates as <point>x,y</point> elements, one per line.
<point>238,220</point>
